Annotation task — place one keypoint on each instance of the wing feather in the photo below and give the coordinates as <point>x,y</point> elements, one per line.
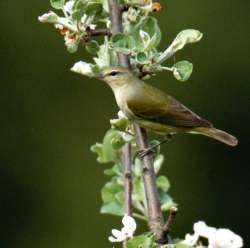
<point>154,105</point>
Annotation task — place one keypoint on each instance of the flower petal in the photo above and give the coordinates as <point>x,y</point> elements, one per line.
<point>117,234</point>
<point>201,229</point>
<point>129,223</point>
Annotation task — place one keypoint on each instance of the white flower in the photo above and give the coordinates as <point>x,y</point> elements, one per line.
<point>217,238</point>
<point>68,6</point>
<point>50,17</point>
<point>202,230</point>
<point>224,238</point>
<point>129,227</point>
<point>83,68</point>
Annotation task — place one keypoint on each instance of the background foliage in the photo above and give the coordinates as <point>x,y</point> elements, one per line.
<point>50,181</point>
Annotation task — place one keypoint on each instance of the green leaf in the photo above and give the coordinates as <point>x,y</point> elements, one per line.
<point>179,245</point>
<point>108,152</point>
<point>78,9</point>
<point>119,124</point>
<point>182,70</point>
<point>57,4</point>
<point>113,199</point>
<point>116,170</point>
<point>93,8</point>
<point>121,41</point>
<point>113,208</point>
<point>158,162</point>
<point>97,148</point>
<point>144,240</point>
<point>163,183</point>
<point>117,142</point>
<point>105,151</point>
<point>166,201</point>
<point>141,57</point>
<point>92,47</point>
<point>138,189</point>
<point>110,190</point>
<point>150,26</point>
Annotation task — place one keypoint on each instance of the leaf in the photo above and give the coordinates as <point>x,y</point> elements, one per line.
<point>110,190</point>
<point>163,183</point>
<point>179,245</point>
<point>121,41</point>
<point>57,4</point>
<point>97,148</point>
<point>158,162</point>
<point>182,70</point>
<point>92,47</point>
<point>189,36</point>
<point>119,124</point>
<point>182,39</point>
<point>148,25</point>
<point>117,142</point>
<point>138,189</point>
<point>141,58</point>
<point>116,170</point>
<point>108,152</point>
<point>93,8</point>
<point>113,199</point>
<point>113,208</point>
<point>144,240</point>
<point>166,201</point>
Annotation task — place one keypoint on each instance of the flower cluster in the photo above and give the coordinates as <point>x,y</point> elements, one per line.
<point>140,39</point>
<point>129,227</point>
<point>217,238</point>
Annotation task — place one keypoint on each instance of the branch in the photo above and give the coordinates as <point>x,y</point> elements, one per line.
<point>156,220</point>
<point>127,178</point>
<point>170,221</point>
<point>116,27</point>
<point>115,11</point>
<point>97,32</point>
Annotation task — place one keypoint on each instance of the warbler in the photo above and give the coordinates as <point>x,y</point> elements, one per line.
<point>154,110</point>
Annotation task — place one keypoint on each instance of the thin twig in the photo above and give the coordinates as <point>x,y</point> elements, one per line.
<point>96,32</point>
<point>156,220</point>
<point>127,178</point>
<point>116,27</point>
<point>172,214</point>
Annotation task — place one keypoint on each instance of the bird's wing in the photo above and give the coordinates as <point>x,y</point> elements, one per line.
<point>154,105</point>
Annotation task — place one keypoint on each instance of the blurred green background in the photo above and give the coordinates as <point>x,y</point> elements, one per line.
<point>49,180</point>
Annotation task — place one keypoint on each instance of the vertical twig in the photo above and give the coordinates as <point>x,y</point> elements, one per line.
<point>172,214</point>
<point>127,162</point>
<point>156,220</point>
<point>116,27</point>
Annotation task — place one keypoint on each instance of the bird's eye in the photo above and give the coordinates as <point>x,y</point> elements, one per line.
<point>113,73</point>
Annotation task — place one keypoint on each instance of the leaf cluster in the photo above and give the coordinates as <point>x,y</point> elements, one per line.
<point>108,152</point>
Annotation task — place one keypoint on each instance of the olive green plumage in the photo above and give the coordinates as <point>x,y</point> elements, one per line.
<point>152,109</point>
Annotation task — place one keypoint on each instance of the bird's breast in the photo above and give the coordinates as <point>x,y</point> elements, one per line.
<point>121,100</point>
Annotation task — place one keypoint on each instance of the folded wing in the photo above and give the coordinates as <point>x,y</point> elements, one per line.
<point>153,105</point>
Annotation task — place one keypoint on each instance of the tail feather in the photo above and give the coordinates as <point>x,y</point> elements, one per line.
<point>219,135</point>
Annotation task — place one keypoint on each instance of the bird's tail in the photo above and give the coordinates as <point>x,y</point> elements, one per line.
<point>218,135</point>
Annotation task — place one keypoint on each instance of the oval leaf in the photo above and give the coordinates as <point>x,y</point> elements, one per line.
<point>182,70</point>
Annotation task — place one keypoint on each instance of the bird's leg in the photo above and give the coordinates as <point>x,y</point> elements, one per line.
<point>142,153</point>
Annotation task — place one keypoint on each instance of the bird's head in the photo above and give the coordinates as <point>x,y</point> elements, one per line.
<point>116,76</point>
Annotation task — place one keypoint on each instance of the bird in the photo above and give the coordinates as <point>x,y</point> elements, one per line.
<point>154,110</point>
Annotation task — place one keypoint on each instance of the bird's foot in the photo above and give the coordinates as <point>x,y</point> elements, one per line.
<point>144,152</point>
<point>151,150</point>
